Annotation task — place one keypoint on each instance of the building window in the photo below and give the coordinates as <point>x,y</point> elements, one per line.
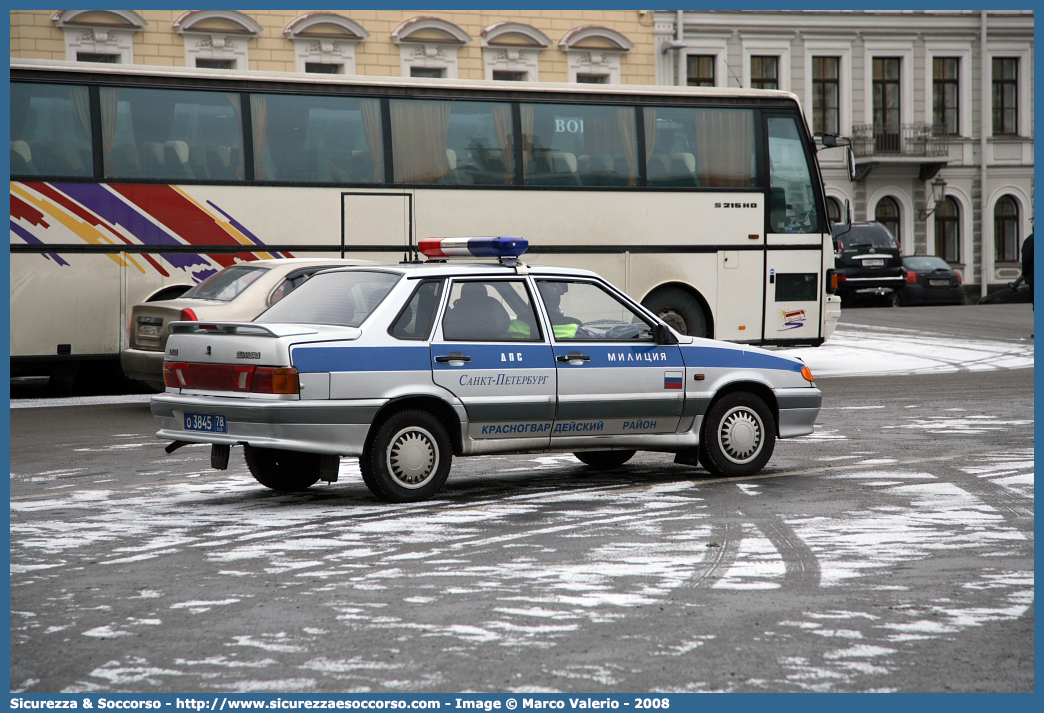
<point>764,72</point>
<point>699,70</point>
<point>886,103</point>
<point>97,57</point>
<point>428,47</point>
<point>105,36</point>
<point>511,51</point>
<point>1006,230</point>
<point>217,39</point>
<point>320,68</point>
<point>948,231</point>
<point>1005,96</point>
<point>203,63</point>
<point>945,94</point>
<point>593,51</point>
<point>833,206</point>
<point>887,214</point>
<point>826,94</point>
<point>325,42</point>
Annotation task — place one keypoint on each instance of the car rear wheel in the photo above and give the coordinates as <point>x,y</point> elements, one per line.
<point>738,435</point>
<point>285,471</point>
<point>408,458</point>
<point>604,460</point>
<point>897,301</point>
<point>680,310</point>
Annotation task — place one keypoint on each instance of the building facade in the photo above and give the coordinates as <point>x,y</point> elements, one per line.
<point>938,104</point>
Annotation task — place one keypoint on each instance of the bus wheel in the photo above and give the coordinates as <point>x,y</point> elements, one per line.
<point>604,460</point>
<point>738,435</point>
<point>408,458</point>
<point>679,310</point>
<point>285,471</point>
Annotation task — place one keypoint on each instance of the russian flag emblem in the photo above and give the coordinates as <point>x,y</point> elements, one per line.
<point>672,379</point>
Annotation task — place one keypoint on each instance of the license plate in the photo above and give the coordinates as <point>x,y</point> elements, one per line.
<point>873,263</point>
<point>148,331</point>
<point>205,422</point>
<point>939,283</point>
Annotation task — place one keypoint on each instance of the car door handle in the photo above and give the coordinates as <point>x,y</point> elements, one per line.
<point>452,356</point>
<point>573,356</point>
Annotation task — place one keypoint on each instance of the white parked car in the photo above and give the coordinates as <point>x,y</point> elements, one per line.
<point>406,366</point>
<point>238,292</point>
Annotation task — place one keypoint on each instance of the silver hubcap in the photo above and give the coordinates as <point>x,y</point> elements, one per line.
<point>740,435</point>
<point>413,457</point>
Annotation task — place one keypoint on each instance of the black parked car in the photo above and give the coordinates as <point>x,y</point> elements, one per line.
<point>929,281</point>
<point>867,262</point>
<point>1015,293</point>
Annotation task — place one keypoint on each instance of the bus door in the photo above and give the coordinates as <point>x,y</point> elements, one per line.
<point>793,246</point>
<point>376,222</point>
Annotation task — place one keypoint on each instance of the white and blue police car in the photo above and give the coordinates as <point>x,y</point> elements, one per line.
<point>406,366</point>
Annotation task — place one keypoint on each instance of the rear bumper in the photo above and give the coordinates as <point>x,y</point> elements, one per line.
<point>920,294</point>
<point>142,365</point>
<point>327,427</point>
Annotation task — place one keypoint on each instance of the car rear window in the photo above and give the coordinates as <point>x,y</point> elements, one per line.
<point>872,235</point>
<point>925,263</point>
<point>341,298</point>
<point>226,285</point>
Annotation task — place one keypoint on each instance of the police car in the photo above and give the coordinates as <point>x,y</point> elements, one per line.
<point>406,366</point>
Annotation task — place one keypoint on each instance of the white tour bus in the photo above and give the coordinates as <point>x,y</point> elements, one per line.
<point>133,183</point>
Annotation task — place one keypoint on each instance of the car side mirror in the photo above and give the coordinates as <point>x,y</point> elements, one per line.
<point>662,334</point>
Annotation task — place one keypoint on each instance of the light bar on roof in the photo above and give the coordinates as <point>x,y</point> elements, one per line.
<point>503,248</point>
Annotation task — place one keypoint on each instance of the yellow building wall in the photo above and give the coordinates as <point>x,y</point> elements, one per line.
<point>35,36</point>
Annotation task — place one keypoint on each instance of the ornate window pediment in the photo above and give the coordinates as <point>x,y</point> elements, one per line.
<point>594,52</point>
<point>325,40</point>
<point>99,35</point>
<point>428,47</point>
<point>512,50</point>
<point>217,39</point>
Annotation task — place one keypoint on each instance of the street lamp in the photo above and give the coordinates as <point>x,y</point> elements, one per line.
<point>938,196</point>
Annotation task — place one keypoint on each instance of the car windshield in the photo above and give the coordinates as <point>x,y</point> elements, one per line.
<point>868,235</point>
<point>925,263</point>
<point>226,285</point>
<point>340,298</point>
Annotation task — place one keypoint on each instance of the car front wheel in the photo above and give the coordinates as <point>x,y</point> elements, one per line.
<point>408,458</point>
<point>285,471</point>
<point>738,435</point>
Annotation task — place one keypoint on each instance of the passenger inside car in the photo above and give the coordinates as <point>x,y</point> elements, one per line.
<point>565,327</point>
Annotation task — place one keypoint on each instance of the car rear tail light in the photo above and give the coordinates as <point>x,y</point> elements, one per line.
<point>838,246</point>
<point>911,277</point>
<point>188,315</point>
<point>231,377</point>
<point>960,280</point>
<point>831,281</point>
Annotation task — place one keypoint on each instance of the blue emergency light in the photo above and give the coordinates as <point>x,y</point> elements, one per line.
<point>507,249</point>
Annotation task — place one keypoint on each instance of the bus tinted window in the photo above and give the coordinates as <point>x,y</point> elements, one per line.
<point>171,135</point>
<point>451,142</point>
<point>317,139</point>
<point>573,144</point>
<point>792,202</point>
<point>711,148</point>
<point>50,130</point>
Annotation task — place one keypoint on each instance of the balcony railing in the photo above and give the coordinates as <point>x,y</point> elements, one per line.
<point>919,139</point>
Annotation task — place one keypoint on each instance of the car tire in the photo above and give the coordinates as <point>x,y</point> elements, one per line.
<point>680,310</point>
<point>897,301</point>
<point>738,435</point>
<point>285,471</point>
<point>408,459</point>
<point>604,460</point>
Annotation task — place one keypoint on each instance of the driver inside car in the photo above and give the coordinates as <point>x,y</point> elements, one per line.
<point>565,327</point>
